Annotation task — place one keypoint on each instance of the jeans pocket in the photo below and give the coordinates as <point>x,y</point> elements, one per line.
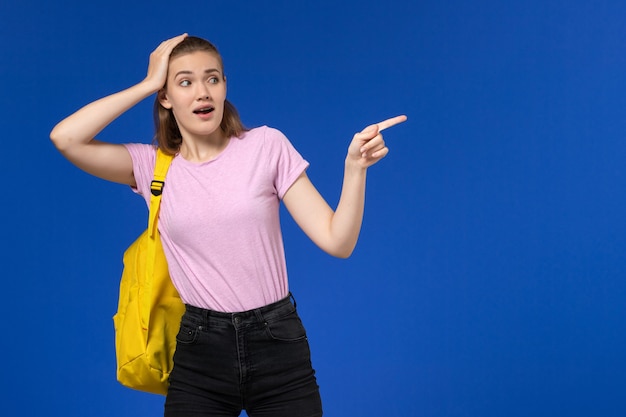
<point>188,333</point>
<point>288,328</point>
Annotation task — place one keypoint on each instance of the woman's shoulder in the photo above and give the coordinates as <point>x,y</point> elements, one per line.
<point>141,147</point>
<point>266,136</point>
<point>142,153</point>
<point>264,140</point>
<point>262,132</point>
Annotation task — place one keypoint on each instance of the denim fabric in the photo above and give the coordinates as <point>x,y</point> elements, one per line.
<point>257,360</point>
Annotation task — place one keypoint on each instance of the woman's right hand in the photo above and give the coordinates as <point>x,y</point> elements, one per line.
<point>159,62</point>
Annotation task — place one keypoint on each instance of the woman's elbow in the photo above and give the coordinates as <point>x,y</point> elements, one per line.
<point>341,252</point>
<point>59,140</point>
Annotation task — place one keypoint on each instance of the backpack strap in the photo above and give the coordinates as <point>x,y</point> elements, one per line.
<point>156,189</point>
<point>163,162</point>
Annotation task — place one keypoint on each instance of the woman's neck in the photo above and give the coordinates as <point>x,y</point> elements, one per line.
<point>203,149</point>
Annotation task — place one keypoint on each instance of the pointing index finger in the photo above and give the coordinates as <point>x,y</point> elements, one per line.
<point>385,124</point>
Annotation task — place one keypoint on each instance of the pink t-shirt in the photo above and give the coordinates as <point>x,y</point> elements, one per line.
<point>219,220</point>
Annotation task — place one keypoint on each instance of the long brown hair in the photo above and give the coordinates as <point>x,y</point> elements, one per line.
<point>166,132</point>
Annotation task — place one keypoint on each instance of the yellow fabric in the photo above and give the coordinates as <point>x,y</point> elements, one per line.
<point>150,309</point>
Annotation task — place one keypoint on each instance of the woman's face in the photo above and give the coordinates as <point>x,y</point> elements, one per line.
<point>195,92</point>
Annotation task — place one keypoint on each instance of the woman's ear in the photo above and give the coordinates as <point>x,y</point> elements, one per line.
<point>165,102</point>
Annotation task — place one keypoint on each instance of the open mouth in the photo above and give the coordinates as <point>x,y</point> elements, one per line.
<point>204,110</point>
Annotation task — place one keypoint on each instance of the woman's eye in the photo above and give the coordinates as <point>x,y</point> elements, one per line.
<point>214,80</point>
<point>185,83</point>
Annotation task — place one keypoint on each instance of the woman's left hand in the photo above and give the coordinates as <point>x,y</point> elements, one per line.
<point>367,146</point>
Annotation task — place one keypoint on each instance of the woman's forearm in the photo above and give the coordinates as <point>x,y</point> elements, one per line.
<point>83,125</point>
<point>348,217</point>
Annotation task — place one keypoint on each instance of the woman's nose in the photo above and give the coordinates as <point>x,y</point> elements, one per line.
<point>203,93</point>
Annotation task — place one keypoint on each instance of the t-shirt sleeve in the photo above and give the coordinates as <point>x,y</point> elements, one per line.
<point>144,158</point>
<point>288,163</point>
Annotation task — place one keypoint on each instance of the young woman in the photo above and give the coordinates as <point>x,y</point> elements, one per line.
<point>241,344</point>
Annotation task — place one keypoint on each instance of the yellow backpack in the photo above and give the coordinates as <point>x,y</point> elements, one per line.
<point>150,309</point>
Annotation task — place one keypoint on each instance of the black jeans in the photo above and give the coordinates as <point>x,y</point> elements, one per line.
<point>257,360</point>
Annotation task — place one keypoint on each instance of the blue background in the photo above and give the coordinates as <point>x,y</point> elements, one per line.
<point>489,276</point>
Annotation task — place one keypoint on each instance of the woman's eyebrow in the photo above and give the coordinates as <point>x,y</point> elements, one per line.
<point>206,71</point>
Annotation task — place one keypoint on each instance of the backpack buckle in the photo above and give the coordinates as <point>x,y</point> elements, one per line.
<point>156,187</point>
